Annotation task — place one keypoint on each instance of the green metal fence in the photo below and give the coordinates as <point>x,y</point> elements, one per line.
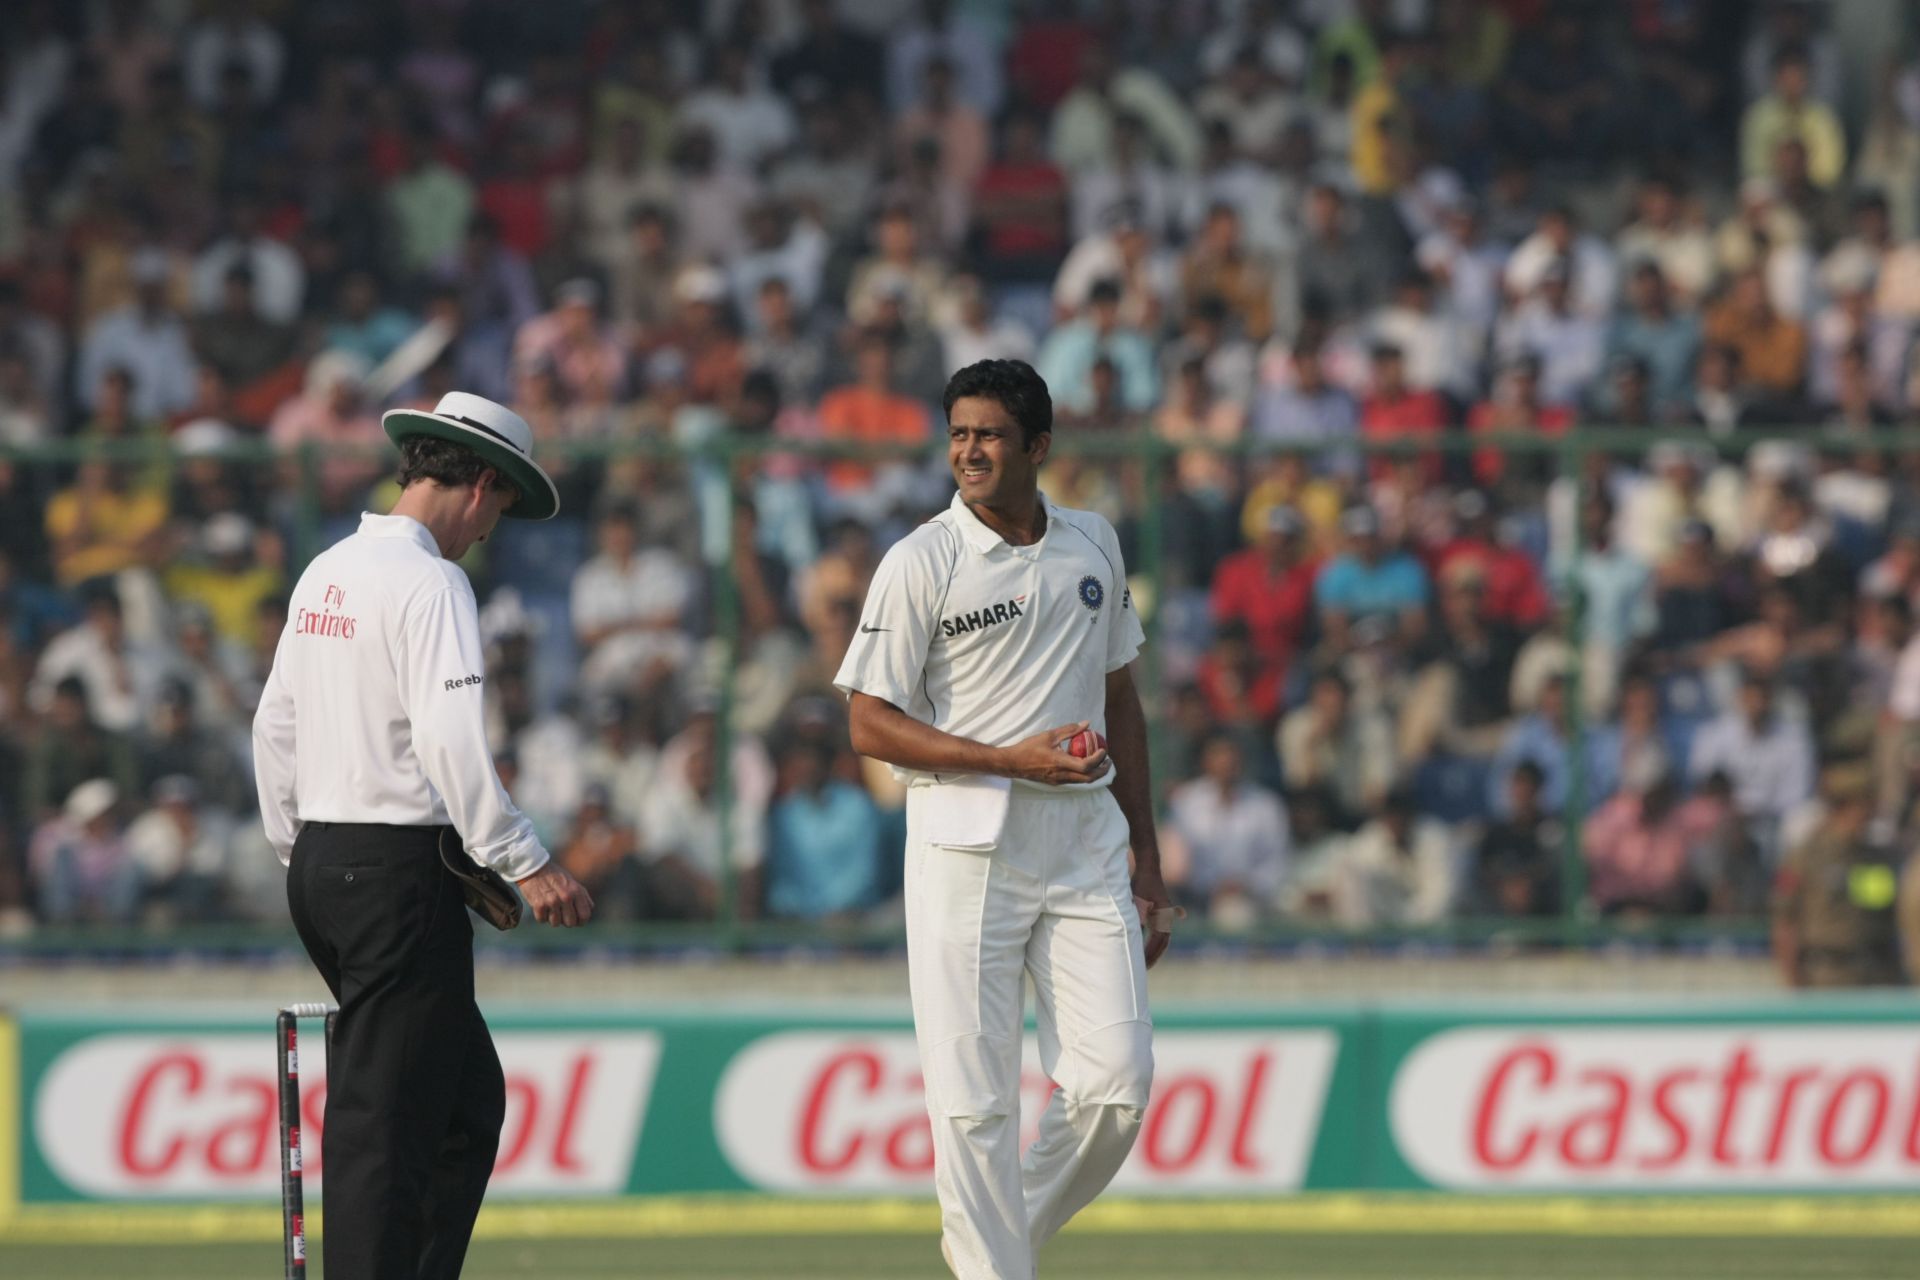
<point>1138,449</point>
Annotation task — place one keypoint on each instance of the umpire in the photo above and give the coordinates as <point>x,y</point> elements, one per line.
<point>369,746</point>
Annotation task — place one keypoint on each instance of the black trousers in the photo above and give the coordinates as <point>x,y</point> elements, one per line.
<point>415,1097</point>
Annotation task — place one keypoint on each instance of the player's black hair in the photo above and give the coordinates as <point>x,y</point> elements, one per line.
<point>441,461</point>
<point>1011,384</point>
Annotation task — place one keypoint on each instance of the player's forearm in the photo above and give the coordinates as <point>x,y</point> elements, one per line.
<point>888,734</point>
<point>1132,783</point>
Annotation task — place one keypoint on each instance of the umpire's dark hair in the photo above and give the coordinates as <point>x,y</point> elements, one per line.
<point>1011,384</point>
<point>441,461</point>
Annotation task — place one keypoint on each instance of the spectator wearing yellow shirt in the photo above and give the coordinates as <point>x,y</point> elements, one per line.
<point>1788,113</point>
<point>1772,347</point>
<point>101,524</point>
<point>1380,124</point>
<point>234,573</point>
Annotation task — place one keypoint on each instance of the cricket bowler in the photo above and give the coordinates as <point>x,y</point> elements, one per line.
<point>994,638</point>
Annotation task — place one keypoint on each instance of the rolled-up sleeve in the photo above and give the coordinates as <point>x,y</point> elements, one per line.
<point>274,771</point>
<point>440,666</point>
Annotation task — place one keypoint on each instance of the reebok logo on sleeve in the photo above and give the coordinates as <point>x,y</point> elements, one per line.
<point>462,682</point>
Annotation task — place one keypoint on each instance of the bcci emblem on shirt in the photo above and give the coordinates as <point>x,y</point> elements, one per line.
<point>1092,594</point>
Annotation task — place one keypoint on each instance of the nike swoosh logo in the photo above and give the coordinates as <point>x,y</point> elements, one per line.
<point>866,630</point>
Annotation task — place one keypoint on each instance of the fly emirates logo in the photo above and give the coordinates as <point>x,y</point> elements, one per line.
<point>328,622</point>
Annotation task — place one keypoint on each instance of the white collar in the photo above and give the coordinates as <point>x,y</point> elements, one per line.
<point>379,526</point>
<point>982,539</point>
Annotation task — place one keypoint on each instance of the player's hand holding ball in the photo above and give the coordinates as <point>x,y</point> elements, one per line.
<point>1059,757</point>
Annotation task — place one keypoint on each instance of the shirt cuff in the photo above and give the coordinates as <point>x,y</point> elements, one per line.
<point>518,861</point>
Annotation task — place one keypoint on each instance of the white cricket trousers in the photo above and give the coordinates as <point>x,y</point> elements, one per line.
<point>1053,900</point>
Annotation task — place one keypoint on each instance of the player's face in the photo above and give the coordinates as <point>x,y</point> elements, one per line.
<point>991,460</point>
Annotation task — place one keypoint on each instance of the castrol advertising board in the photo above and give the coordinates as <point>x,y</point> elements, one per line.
<point>196,1116</point>
<point>826,1111</point>
<point>1731,1107</point>
<point>179,1106</point>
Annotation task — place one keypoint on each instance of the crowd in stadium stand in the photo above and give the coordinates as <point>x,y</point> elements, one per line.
<point>1391,689</point>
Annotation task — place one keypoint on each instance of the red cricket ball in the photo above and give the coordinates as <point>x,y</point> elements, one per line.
<point>1083,743</point>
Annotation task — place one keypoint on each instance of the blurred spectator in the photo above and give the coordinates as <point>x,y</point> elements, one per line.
<point>1516,869</point>
<point>963,40</point>
<point>785,346</point>
<point>236,569</point>
<point>748,123</point>
<point>688,849</point>
<point>1834,899</point>
<point>279,281</point>
<point>599,851</point>
<point>363,324</point>
<point>942,117</point>
<point>1339,274</point>
<point>230,34</point>
<point>1791,111</point>
<point>180,847</point>
<point>1768,758</point>
<point>432,203</point>
<point>1083,123</point>
<point>1269,587</point>
<point>1135,189</point>
<point>122,677</point>
<point>146,338</point>
<point>332,411</point>
<point>66,749</point>
<point>571,342</point>
<point>1368,581</point>
<point>1067,357</point>
<point>104,524</point>
<point>1652,331</point>
<point>1302,407</point>
<point>901,267</point>
<point>1667,233</point>
<point>823,837</point>
<point>1614,587</point>
<point>1639,847</point>
<point>1558,99</point>
<point>1772,348</point>
<point>1395,409</point>
<point>1398,869</point>
<point>1020,206</point>
<point>971,332</point>
<point>628,603</point>
<point>1515,595</point>
<point>1235,834</point>
<point>1343,751</point>
<point>1516,408</point>
<point>1568,344</point>
<point>236,338</point>
<point>79,864</point>
<point>1121,250</point>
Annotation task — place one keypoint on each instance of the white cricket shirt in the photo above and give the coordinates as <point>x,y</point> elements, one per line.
<point>993,642</point>
<point>372,712</point>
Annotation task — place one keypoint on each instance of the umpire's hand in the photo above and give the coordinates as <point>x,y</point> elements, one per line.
<point>556,897</point>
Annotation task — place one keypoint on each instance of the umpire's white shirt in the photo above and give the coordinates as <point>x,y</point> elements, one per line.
<point>993,642</point>
<point>372,712</point>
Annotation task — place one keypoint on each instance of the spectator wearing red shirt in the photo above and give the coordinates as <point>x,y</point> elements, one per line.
<point>1395,410</point>
<point>1242,689</point>
<point>515,198</point>
<point>1020,207</point>
<point>1516,408</point>
<point>1268,588</point>
<point>1514,592</point>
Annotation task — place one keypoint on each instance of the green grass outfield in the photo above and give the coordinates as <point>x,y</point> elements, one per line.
<point>1183,1256</point>
<point>1308,1237</point>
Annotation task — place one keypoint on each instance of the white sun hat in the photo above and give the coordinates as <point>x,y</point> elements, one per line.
<point>495,432</point>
